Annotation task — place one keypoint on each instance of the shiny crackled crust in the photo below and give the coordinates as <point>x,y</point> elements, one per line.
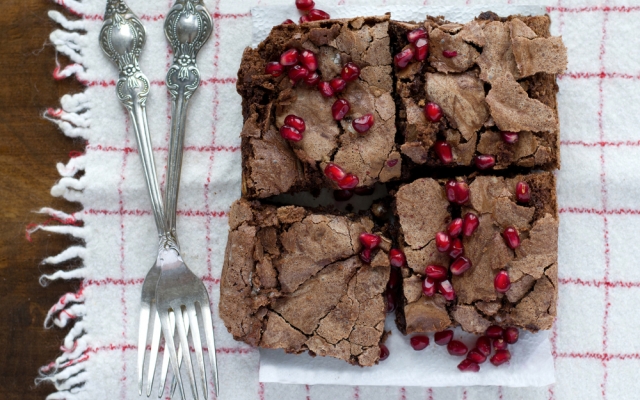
<point>422,209</point>
<point>292,280</point>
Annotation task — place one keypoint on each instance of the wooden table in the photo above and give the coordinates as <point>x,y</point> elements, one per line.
<point>30,146</point>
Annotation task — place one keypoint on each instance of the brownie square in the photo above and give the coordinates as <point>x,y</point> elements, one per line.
<point>292,279</point>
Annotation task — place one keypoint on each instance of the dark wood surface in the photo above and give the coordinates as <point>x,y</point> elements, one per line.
<point>30,146</point>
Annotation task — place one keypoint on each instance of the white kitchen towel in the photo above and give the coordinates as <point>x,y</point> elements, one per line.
<point>595,342</point>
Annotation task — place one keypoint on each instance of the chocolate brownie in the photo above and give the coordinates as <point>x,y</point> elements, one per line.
<point>292,279</point>
<point>483,78</point>
<point>476,299</point>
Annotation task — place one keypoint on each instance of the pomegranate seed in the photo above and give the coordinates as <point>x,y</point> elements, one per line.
<point>274,68</point>
<point>485,161</point>
<point>342,195</point>
<point>511,335</point>
<point>392,163</point>
<point>403,58</point>
<point>393,279</point>
<point>494,331</point>
<point>470,224</point>
<point>338,84</point>
<point>502,282</point>
<point>318,15</point>
<point>450,190</point>
<point>296,122</point>
<point>312,79</point>
<point>326,89</point>
<point>350,72</point>
<point>436,272</point>
<point>500,344</point>
<point>460,265</point>
<point>476,356</point>
<point>305,5</point>
<point>501,357</point>
<point>369,240</point>
<point>348,182</point>
<point>290,133</point>
<point>287,22</point>
<point>397,258</point>
<point>443,150</point>
<point>461,190</point>
<point>334,172</point>
<point>467,365</point>
<point>289,57</point>
<point>446,290</point>
<point>298,73</point>
<point>455,227</point>
<point>457,348</point>
<point>304,18</point>
<point>339,109</point>
<point>384,352</point>
<point>422,48</point>
<point>308,60</point>
<point>443,242</point>
<point>365,256</point>
<point>443,338</point>
<point>391,302</point>
<point>416,34</point>
<point>449,53</point>
<point>419,342</point>
<point>363,124</point>
<point>456,249</point>
<point>433,112</point>
<point>509,137</point>
<point>483,345</point>
<point>511,237</point>
<point>523,192</point>
<point>428,287</point>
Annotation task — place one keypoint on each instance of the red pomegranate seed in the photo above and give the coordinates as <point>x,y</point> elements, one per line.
<point>428,287</point>
<point>339,109</point>
<point>446,290</point>
<point>457,348</point>
<point>318,15</point>
<point>509,137</point>
<point>500,357</point>
<point>326,89</point>
<point>436,272</point>
<point>467,365</point>
<point>363,124</point>
<point>350,72</point>
<point>422,49</point>
<point>443,338</point>
<point>312,79</point>
<point>443,150</point>
<point>483,345</point>
<point>419,342</point>
<point>460,265</point>
<point>365,256</point>
<point>455,227</point>
<point>274,68</point>
<point>476,356</point>
<point>391,302</point>
<point>494,331</point>
<point>393,279</point>
<point>416,34</point>
<point>450,190</point>
<point>350,181</point>
<point>287,22</point>
<point>369,240</point>
<point>338,84</point>
<point>289,57</point>
<point>305,5</point>
<point>334,172</point>
<point>523,192</point>
<point>304,18</point>
<point>392,163</point>
<point>308,60</point>
<point>461,193</point>
<point>456,249</point>
<point>511,237</point>
<point>470,224</point>
<point>433,112</point>
<point>384,352</point>
<point>403,58</point>
<point>443,242</point>
<point>511,335</point>
<point>485,161</point>
<point>290,133</point>
<point>500,344</point>
<point>449,53</point>
<point>397,258</point>
<point>342,195</point>
<point>502,282</point>
<point>298,73</point>
<point>295,121</point>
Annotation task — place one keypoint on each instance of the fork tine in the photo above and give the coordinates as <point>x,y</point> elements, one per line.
<point>173,357</point>
<point>211,344</point>
<point>182,334</point>
<point>165,357</point>
<point>155,344</point>
<point>142,342</point>
<point>173,380</point>
<point>195,334</point>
